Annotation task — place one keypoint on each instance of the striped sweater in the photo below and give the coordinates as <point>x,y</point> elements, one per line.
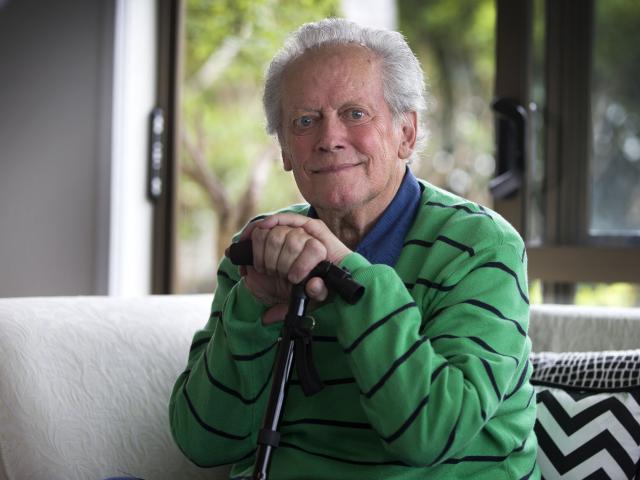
<point>425,377</point>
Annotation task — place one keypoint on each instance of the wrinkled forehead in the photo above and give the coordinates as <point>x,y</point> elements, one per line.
<point>330,56</point>
<point>344,67</point>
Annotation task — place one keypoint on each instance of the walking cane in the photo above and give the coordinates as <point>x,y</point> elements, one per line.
<point>294,347</point>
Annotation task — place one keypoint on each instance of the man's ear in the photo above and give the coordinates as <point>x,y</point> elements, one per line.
<point>286,160</point>
<point>409,130</point>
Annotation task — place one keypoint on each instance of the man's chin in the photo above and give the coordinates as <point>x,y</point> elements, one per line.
<point>346,202</point>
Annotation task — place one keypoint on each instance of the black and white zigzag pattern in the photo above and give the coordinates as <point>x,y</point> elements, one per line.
<point>606,370</point>
<point>586,435</point>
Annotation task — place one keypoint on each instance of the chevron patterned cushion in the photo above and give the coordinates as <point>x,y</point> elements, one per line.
<point>606,370</point>
<point>588,421</point>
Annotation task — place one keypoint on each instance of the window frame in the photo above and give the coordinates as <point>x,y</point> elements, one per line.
<point>567,254</point>
<point>170,41</point>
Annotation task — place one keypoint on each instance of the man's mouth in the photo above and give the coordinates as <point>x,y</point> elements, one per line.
<point>335,168</point>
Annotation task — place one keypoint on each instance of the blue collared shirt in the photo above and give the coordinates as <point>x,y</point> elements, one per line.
<point>384,241</point>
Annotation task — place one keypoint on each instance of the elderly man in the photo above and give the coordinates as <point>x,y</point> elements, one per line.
<point>427,375</point>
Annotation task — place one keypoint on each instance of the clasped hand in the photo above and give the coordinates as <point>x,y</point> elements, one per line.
<point>286,247</point>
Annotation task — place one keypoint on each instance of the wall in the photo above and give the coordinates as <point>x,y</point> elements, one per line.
<point>55,67</point>
<point>77,81</point>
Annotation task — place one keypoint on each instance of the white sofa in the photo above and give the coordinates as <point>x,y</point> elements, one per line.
<point>85,384</point>
<point>85,381</point>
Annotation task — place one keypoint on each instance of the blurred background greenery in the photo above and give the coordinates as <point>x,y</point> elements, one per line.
<point>231,169</point>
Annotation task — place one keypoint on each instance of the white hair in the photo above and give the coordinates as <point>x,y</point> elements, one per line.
<point>402,77</point>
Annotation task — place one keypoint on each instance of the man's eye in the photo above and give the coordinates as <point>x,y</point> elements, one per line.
<point>304,121</point>
<point>356,114</point>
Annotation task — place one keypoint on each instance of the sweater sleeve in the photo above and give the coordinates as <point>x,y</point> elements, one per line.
<point>217,403</point>
<point>433,371</point>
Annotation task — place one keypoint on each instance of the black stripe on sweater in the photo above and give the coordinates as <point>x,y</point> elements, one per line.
<point>328,383</point>
<point>221,386</point>
<point>520,382</point>
<point>492,377</point>
<point>395,435</point>
<point>340,459</point>
<point>476,340</point>
<point>396,363</point>
<point>223,274</point>
<point>198,343</point>
<point>528,475</point>
<point>252,356</point>
<point>485,458</point>
<point>447,446</point>
<point>479,304</point>
<point>460,207</point>
<point>376,325</point>
<point>326,422</point>
<point>504,268</point>
<point>409,421</point>
<point>496,312</point>
<point>533,392</point>
<point>206,426</point>
<point>442,238</point>
<point>430,284</point>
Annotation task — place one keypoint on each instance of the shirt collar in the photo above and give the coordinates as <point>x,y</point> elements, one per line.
<point>384,241</point>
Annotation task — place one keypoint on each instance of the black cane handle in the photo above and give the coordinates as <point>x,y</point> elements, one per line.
<point>337,279</point>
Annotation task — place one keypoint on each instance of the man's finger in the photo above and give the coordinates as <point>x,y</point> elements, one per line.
<point>336,250</point>
<point>286,219</point>
<point>246,233</point>
<point>316,289</point>
<point>274,314</point>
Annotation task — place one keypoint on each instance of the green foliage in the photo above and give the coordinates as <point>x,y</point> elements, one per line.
<point>616,52</point>
<point>229,44</point>
<point>608,295</point>
<point>454,42</point>
<point>230,106</point>
<point>212,22</point>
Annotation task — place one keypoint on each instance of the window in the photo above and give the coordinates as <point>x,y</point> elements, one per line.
<point>577,206</point>
<point>578,201</point>
<point>229,169</point>
<point>455,44</point>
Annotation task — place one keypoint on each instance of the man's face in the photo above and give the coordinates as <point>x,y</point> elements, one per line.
<point>338,135</point>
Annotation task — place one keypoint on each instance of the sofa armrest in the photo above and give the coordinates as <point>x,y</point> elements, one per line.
<point>85,385</point>
<point>563,328</point>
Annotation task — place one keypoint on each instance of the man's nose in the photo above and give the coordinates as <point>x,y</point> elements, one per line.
<point>331,134</point>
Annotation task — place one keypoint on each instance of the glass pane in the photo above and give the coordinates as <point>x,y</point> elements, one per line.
<point>455,44</point>
<point>615,169</point>
<point>535,292</point>
<point>536,172</point>
<point>608,294</point>
<point>591,294</point>
<point>230,169</point>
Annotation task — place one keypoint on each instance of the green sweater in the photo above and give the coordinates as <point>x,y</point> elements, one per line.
<point>425,377</point>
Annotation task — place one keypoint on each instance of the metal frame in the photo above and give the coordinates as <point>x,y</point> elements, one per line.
<point>170,37</point>
<point>568,254</point>
<point>513,74</point>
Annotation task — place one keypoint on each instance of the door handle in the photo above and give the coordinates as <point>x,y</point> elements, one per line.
<point>511,123</point>
<point>156,154</point>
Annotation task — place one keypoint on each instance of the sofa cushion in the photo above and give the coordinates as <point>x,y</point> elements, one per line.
<point>85,385</point>
<point>607,370</point>
<point>588,421</point>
